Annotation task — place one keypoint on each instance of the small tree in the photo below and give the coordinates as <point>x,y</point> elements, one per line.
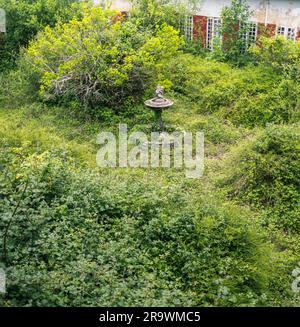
<point>100,59</point>
<point>234,29</point>
<point>283,57</point>
<point>279,53</point>
<point>25,18</point>
<point>153,13</point>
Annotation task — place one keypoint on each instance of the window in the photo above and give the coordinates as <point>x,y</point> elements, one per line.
<point>252,34</point>
<point>188,28</point>
<point>281,30</point>
<point>213,31</point>
<point>288,32</point>
<point>249,35</point>
<point>291,34</point>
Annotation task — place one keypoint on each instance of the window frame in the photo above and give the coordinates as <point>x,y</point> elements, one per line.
<point>189,28</point>
<point>246,36</point>
<point>284,31</point>
<point>215,31</point>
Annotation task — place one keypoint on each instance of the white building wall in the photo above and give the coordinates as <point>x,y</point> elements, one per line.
<point>279,12</point>
<point>121,5</point>
<point>286,13</point>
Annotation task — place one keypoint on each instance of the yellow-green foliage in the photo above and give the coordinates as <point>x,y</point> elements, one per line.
<point>281,54</point>
<point>25,18</point>
<point>122,237</point>
<point>100,59</point>
<point>252,96</point>
<point>76,233</point>
<point>79,231</point>
<point>22,130</point>
<point>266,174</point>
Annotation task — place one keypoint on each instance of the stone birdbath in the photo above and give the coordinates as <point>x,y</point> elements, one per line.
<point>157,105</point>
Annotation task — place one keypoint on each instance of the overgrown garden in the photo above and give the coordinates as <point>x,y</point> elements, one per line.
<point>73,234</point>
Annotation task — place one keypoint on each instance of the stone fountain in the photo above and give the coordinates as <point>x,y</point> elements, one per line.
<point>157,105</point>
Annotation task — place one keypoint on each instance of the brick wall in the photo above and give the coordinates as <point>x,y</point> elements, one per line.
<point>298,34</point>
<point>269,30</point>
<point>200,28</point>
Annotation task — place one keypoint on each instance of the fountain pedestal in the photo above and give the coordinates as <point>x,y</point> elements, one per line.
<point>157,105</point>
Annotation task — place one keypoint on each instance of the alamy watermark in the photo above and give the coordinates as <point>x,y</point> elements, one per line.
<point>296,281</point>
<point>161,149</point>
<point>2,281</point>
<point>2,21</point>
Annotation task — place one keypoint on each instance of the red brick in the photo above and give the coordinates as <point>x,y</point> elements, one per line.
<point>268,31</point>
<point>298,34</point>
<point>200,28</point>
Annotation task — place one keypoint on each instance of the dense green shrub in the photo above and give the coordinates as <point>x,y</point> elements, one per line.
<point>150,14</point>
<point>18,87</point>
<point>76,238</point>
<point>252,96</point>
<point>280,54</point>
<point>25,18</point>
<point>195,47</point>
<point>101,59</point>
<point>266,174</point>
<point>235,26</point>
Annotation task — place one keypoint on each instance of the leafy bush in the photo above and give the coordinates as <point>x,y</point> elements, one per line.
<point>235,25</point>
<point>267,174</point>
<point>25,18</point>
<point>252,96</point>
<point>280,54</point>
<point>100,60</point>
<point>17,87</point>
<point>282,57</point>
<point>77,238</point>
<point>150,14</point>
<point>32,127</point>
